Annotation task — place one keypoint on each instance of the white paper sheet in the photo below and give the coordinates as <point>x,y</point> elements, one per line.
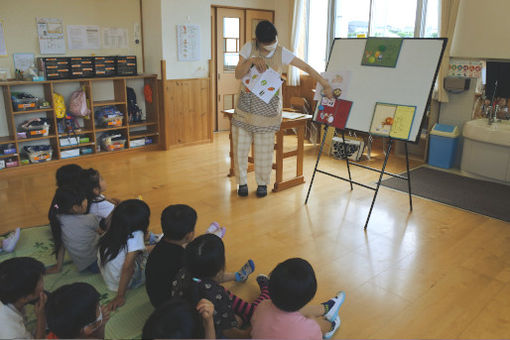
<point>81,37</point>
<point>22,61</point>
<point>115,38</point>
<point>338,80</point>
<point>188,42</point>
<point>3,49</point>
<point>263,85</point>
<point>51,36</point>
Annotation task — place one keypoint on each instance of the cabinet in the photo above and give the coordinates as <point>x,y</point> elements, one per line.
<point>100,92</point>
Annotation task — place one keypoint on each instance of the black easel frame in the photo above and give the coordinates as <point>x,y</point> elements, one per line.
<point>351,182</point>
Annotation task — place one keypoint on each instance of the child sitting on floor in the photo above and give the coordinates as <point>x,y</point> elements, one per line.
<point>68,175</point>
<point>122,252</point>
<point>292,285</point>
<point>178,225</point>
<point>21,283</point>
<point>204,266</point>
<point>94,185</point>
<point>73,230</point>
<point>177,319</point>
<point>73,312</point>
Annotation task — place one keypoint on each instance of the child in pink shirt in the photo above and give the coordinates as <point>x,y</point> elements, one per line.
<point>292,285</point>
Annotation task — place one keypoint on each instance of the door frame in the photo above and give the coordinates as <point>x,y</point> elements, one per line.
<point>213,71</point>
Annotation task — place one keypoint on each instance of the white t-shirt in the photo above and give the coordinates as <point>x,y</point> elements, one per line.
<point>12,323</point>
<point>112,270</point>
<point>287,55</point>
<point>102,208</point>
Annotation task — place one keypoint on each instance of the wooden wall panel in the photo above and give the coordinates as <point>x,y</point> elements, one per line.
<point>187,111</point>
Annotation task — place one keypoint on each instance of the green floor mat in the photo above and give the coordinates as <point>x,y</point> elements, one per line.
<point>126,323</point>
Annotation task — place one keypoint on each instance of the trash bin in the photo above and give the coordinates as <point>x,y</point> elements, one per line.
<point>444,140</point>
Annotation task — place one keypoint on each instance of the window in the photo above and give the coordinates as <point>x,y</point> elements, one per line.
<point>386,18</point>
<point>317,33</point>
<point>230,43</point>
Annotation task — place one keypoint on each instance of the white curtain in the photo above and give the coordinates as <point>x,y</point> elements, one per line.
<point>449,11</point>
<point>295,38</point>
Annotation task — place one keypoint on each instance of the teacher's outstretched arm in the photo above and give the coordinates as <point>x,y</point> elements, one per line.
<point>302,65</point>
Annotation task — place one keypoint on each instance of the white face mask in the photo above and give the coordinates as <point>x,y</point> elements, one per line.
<point>272,47</point>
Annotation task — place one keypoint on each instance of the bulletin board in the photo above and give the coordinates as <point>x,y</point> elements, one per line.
<point>407,86</point>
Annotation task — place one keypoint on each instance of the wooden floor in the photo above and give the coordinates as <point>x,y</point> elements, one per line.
<point>438,272</point>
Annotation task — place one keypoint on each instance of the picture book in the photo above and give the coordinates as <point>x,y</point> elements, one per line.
<point>392,120</point>
<point>381,52</point>
<point>338,80</point>
<point>334,112</point>
<point>402,122</point>
<point>264,85</point>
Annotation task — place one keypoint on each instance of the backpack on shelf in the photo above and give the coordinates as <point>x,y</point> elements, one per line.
<point>134,112</point>
<point>78,104</point>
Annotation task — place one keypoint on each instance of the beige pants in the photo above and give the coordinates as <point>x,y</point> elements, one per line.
<point>263,154</point>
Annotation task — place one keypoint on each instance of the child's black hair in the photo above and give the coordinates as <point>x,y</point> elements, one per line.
<point>19,277</point>
<point>265,32</point>
<point>129,216</point>
<point>175,319</point>
<point>178,220</point>
<point>68,175</point>
<point>204,257</point>
<point>89,180</point>
<point>65,198</point>
<point>70,308</point>
<point>292,284</point>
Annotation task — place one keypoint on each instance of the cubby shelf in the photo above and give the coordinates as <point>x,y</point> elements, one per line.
<point>32,111</point>
<point>145,129</point>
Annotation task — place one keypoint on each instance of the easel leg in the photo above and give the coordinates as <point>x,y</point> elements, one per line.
<point>317,163</point>
<point>408,180</point>
<point>379,182</point>
<point>346,158</point>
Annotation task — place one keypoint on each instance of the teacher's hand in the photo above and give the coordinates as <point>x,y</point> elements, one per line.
<point>259,63</point>
<point>328,91</point>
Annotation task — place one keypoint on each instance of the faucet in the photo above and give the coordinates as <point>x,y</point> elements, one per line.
<point>492,114</point>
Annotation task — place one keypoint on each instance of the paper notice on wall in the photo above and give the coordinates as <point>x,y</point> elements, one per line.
<point>83,37</point>
<point>188,42</point>
<point>3,49</point>
<point>115,38</point>
<point>23,61</point>
<point>51,36</point>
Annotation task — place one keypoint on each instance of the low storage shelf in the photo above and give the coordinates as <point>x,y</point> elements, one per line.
<point>90,136</point>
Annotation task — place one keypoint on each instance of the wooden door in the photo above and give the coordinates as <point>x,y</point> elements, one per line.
<point>253,18</point>
<point>229,40</point>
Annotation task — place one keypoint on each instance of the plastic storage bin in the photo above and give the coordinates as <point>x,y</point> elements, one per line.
<point>38,153</point>
<point>443,144</point>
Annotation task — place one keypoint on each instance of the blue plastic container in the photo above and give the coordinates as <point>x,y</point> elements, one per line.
<point>444,140</point>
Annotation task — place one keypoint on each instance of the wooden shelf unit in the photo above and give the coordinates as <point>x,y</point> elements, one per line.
<point>149,128</point>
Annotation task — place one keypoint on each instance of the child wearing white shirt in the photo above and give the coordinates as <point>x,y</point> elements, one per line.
<point>122,252</point>
<point>94,186</point>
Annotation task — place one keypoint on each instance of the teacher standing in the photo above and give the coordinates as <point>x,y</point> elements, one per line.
<point>253,119</point>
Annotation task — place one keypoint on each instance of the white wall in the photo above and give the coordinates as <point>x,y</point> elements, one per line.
<point>176,12</point>
<point>482,30</point>
<point>152,36</point>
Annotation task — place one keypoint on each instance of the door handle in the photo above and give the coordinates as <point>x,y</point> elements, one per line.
<point>219,74</point>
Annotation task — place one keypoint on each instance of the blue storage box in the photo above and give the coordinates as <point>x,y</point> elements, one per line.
<point>444,140</point>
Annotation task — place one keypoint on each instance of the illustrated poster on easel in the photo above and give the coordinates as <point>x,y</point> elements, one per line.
<point>264,85</point>
<point>339,81</point>
<point>381,52</point>
<point>334,112</point>
<point>392,120</point>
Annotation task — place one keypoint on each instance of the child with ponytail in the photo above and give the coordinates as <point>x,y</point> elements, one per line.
<point>122,252</point>
<point>201,277</point>
<point>73,230</point>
